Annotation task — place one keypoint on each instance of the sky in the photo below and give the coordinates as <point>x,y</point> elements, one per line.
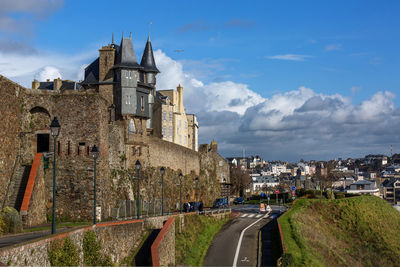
<point>286,80</point>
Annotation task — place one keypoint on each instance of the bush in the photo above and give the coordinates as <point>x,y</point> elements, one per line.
<point>12,220</point>
<point>287,259</point>
<point>92,251</point>
<point>3,226</point>
<point>63,253</point>
<point>339,195</point>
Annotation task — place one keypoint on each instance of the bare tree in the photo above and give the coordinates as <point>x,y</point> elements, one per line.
<point>239,180</point>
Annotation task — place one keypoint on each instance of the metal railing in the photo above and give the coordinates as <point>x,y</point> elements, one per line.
<point>127,209</point>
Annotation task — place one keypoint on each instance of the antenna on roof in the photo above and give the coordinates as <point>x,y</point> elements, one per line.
<point>112,39</point>
<point>130,35</point>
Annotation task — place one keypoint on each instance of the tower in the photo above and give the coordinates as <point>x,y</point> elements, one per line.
<point>149,73</point>
<point>127,99</point>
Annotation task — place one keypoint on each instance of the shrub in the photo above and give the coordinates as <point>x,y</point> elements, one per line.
<point>12,220</point>
<point>3,226</point>
<point>63,253</point>
<point>339,195</point>
<point>287,259</point>
<point>92,255</point>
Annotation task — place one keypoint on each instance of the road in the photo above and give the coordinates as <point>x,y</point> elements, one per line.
<point>225,249</point>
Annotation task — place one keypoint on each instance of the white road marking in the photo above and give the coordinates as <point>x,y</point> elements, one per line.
<point>266,215</point>
<point>244,215</point>
<point>251,215</point>
<point>240,240</point>
<point>258,215</point>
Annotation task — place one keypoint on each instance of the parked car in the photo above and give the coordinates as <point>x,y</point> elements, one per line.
<point>238,200</point>
<point>220,203</point>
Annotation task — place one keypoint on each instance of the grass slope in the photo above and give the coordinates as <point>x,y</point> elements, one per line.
<point>192,244</point>
<point>357,231</point>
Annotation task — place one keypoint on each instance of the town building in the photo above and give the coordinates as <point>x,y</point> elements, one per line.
<point>171,122</point>
<point>391,190</point>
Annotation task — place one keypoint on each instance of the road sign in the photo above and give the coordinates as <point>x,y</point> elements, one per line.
<point>262,207</point>
<point>276,191</point>
<point>269,208</point>
<point>293,188</point>
<point>293,198</point>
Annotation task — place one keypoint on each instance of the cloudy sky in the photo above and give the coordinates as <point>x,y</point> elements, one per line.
<point>281,79</point>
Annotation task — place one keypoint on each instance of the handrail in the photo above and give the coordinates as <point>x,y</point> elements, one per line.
<point>31,182</point>
<point>9,182</point>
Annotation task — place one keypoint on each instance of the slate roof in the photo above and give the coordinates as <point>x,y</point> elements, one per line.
<point>92,72</point>
<point>148,62</point>
<point>126,55</point>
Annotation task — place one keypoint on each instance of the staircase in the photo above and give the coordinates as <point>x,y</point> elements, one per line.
<point>18,186</point>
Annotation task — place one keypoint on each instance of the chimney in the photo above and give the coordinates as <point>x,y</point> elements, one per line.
<point>180,98</point>
<point>57,84</point>
<point>35,84</point>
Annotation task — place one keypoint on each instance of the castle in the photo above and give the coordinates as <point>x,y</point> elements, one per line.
<point>117,108</point>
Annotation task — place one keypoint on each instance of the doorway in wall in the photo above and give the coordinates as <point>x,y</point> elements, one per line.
<point>43,143</point>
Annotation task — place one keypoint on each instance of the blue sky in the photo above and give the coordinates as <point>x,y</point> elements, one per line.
<point>345,50</point>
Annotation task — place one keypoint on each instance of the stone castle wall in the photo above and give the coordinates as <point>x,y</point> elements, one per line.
<point>86,120</point>
<point>11,96</point>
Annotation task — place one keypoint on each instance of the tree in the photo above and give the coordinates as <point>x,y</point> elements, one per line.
<point>239,180</point>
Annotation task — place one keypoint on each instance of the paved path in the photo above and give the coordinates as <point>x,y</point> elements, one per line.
<point>224,246</point>
<point>20,238</point>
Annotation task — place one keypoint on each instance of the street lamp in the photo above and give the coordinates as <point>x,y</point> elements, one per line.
<point>137,165</point>
<point>55,131</point>
<point>197,187</point>
<point>95,154</point>
<point>180,192</point>
<point>162,171</point>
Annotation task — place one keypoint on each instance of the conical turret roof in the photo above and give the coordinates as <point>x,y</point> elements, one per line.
<point>148,62</point>
<point>126,55</point>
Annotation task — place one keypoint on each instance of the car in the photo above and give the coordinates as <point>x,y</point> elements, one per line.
<point>238,200</point>
<point>220,203</point>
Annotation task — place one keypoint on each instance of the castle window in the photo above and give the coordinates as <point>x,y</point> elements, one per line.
<point>170,132</point>
<point>164,131</point>
<point>69,148</point>
<point>142,102</point>
<point>164,115</point>
<point>170,116</point>
<point>58,148</point>
<point>180,125</point>
<point>87,151</point>
<point>132,126</point>
<point>185,124</point>
<point>128,99</point>
<point>180,139</point>
<point>133,151</point>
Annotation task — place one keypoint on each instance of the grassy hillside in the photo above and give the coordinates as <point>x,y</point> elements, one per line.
<point>357,231</point>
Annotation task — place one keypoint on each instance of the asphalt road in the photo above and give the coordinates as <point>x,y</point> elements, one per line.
<point>225,244</point>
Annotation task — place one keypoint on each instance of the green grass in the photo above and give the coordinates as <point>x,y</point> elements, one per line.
<point>192,244</point>
<point>59,225</point>
<point>357,231</point>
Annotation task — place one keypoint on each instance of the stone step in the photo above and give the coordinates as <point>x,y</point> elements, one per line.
<point>18,190</point>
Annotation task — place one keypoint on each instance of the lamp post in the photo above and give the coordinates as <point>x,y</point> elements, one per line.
<point>95,154</point>
<point>55,131</point>
<point>137,165</point>
<point>162,171</point>
<point>197,188</point>
<point>180,192</point>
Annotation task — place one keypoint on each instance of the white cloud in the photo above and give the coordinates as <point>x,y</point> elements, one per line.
<point>22,68</point>
<point>333,47</point>
<point>48,73</point>
<point>291,57</point>
<point>295,124</point>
